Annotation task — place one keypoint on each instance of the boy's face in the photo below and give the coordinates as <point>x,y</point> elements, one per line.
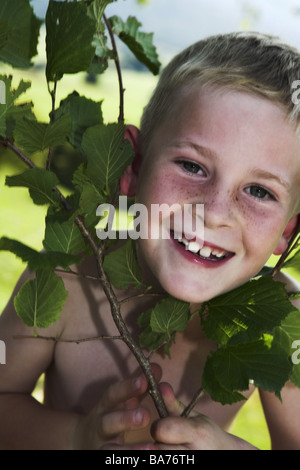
<point>236,154</point>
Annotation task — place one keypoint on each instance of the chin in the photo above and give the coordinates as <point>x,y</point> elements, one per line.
<point>188,293</point>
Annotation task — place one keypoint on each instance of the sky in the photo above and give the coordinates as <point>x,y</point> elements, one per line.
<point>177,24</point>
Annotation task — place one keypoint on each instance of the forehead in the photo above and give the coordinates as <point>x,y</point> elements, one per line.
<point>227,121</point>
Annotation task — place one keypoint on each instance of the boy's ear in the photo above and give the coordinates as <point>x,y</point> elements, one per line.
<point>128,181</point>
<point>287,235</point>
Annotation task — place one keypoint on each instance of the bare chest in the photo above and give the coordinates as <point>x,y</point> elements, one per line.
<point>82,370</point>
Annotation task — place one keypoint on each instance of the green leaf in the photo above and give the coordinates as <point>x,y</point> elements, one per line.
<point>19,33</point>
<point>35,259</point>
<point>286,334</point>
<point>162,322</point>
<point>108,154</point>
<point>10,113</point>
<point>291,325</point>
<point>40,301</point>
<point>169,315</point>
<point>70,32</point>
<point>90,196</point>
<point>141,44</point>
<point>233,367</point>
<point>62,233</point>
<point>84,113</point>
<point>122,267</point>
<point>148,338</point>
<point>215,389</point>
<point>40,184</point>
<point>247,312</point>
<point>35,136</point>
<point>102,52</point>
<point>293,262</point>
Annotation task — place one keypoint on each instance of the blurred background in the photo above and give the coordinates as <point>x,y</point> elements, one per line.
<point>176,24</point>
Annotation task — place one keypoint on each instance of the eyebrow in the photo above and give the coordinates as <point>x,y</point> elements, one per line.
<point>208,153</point>
<point>271,176</point>
<point>204,151</point>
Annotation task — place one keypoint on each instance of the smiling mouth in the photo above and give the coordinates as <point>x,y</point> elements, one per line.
<point>206,252</point>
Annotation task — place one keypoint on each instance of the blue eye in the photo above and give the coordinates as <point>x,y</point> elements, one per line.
<point>259,192</point>
<point>192,167</point>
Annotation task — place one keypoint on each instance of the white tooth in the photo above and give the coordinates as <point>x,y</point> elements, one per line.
<point>219,255</point>
<point>185,242</point>
<point>194,247</point>
<point>205,252</point>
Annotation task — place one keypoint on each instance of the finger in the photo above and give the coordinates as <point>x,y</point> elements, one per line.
<point>157,371</point>
<point>174,406</point>
<point>176,431</point>
<point>121,392</point>
<point>117,422</point>
<point>114,447</point>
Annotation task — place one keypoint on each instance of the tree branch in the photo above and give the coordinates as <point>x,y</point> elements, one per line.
<point>120,324</point>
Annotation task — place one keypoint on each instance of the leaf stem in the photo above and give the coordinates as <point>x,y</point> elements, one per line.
<point>118,67</point>
<point>52,119</point>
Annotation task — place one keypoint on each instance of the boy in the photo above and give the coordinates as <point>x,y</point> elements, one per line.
<point>220,130</point>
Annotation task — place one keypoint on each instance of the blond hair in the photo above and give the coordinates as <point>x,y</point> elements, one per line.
<point>249,62</point>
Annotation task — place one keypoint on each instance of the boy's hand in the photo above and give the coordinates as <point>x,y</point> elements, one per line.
<point>195,433</point>
<point>117,412</point>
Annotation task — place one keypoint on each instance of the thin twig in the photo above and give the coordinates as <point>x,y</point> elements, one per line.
<point>187,411</point>
<point>60,340</point>
<point>74,273</point>
<point>142,294</point>
<point>294,241</point>
<point>118,67</point>
<point>9,144</point>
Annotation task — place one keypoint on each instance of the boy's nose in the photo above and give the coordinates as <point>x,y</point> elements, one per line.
<point>218,211</point>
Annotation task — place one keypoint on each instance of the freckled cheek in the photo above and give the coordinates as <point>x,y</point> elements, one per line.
<point>162,188</point>
<point>263,231</point>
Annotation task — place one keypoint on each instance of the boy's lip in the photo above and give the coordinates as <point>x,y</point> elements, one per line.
<point>217,256</point>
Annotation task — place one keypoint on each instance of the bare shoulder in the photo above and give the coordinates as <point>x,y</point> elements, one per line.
<point>27,358</point>
<point>292,285</point>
